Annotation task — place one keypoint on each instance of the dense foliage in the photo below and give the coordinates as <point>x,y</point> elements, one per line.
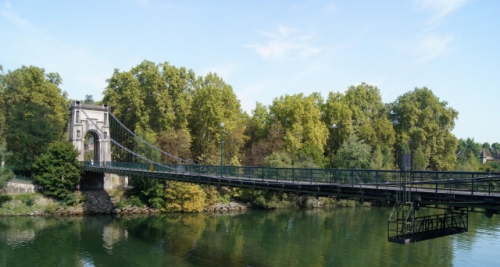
<point>35,114</point>
<point>423,125</point>
<point>181,113</point>
<point>58,171</point>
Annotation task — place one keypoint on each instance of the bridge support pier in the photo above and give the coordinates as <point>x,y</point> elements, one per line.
<point>99,181</point>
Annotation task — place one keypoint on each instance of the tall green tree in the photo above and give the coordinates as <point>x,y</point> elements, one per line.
<point>337,117</point>
<point>369,115</point>
<point>300,118</point>
<point>214,102</point>
<point>424,124</point>
<point>35,114</point>
<point>152,98</point>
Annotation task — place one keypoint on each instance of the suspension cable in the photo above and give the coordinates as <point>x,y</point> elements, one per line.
<point>147,143</point>
<point>122,147</point>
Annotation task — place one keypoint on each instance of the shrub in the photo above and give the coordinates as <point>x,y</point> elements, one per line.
<point>58,171</point>
<point>184,197</point>
<point>135,201</point>
<point>51,208</point>
<point>5,176</point>
<point>120,204</point>
<point>71,199</point>
<point>29,202</point>
<point>4,199</point>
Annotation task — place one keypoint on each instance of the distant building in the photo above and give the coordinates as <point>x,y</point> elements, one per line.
<point>486,155</point>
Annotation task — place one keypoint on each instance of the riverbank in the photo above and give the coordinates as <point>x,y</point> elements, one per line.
<point>116,202</point>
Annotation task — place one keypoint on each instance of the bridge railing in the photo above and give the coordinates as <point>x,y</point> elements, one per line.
<point>474,182</point>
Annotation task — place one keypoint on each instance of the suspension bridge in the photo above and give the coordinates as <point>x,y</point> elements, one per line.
<point>119,150</point>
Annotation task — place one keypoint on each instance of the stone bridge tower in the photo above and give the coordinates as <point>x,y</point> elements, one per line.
<point>96,126</point>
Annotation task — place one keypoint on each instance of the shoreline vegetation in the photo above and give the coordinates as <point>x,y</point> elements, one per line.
<point>117,202</point>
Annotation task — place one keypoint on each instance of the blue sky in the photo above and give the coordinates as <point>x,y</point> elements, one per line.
<point>266,49</point>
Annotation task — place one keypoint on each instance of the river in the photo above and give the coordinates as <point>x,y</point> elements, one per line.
<point>337,237</point>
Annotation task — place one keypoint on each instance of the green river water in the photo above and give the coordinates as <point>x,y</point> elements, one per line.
<point>337,237</point>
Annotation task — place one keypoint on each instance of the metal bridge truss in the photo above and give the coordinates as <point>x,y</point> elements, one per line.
<point>405,227</point>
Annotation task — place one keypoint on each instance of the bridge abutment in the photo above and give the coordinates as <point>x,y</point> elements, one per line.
<point>106,181</point>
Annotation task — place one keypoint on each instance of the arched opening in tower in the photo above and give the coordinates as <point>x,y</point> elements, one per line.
<point>92,147</point>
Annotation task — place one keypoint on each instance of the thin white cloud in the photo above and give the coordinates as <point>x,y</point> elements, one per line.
<point>286,44</point>
<point>9,14</point>
<point>431,47</point>
<point>439,8</point>
<point>332,7</point>
<point>428,45</point>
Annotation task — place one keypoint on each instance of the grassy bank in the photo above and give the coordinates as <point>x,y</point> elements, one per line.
<point>27,204</point>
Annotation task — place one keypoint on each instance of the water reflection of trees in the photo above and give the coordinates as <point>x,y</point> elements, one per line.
<point>340,237</point>
<point>55,241</point>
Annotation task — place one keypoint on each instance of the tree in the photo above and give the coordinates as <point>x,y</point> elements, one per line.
<point>89,99</point>
<point>338,118</point>
<point>265,136</point>
<point>495,146</point>
<point>5,176</point>
<point>300,118</point>
<point>369,115</point>
<point>486,145</point>
<point>468,147</point>
<point>278,160</point>
<point>424,123</point>
<point>213,102</point>
<point>152,98</point>
<point>58,170</point>
<point>143,149</point>
<point>260,123</point>
<point>177,143</point>
<point>381,159</point>
<point>2,105</point>
<point>353,154</point>
<point>272,142</point>
<point>468,153</point>
<point>32,99</point>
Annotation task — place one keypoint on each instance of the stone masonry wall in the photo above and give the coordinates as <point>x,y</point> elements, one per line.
<point>12,188</point>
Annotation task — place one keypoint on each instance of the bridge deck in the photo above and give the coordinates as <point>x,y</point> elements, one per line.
<point>453,190</point>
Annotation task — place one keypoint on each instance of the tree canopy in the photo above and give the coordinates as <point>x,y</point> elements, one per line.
<point>300,119</point>
<point>181,113</point>
<point>35,114</point>
<point>423,125</point>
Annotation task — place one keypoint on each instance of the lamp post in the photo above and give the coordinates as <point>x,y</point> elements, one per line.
<point>222,148</point>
